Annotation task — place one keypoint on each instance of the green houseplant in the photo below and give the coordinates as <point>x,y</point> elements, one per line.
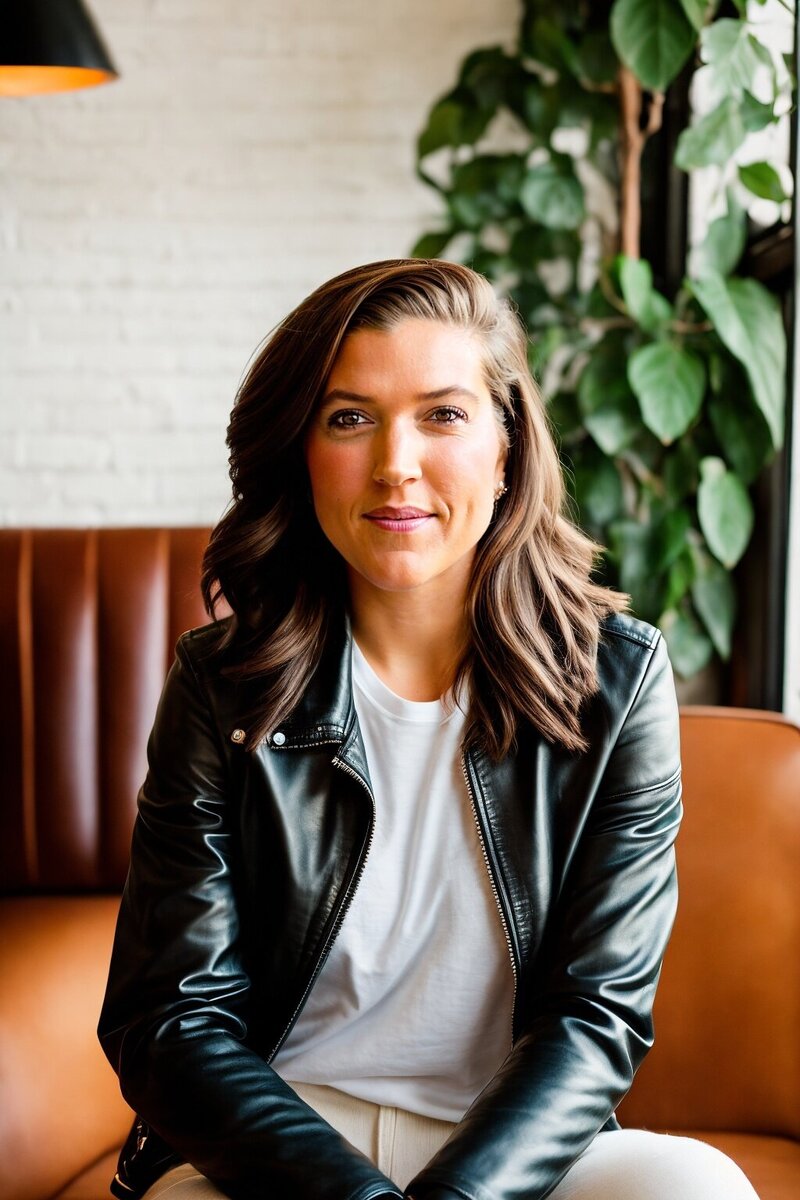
<point>666,408</point>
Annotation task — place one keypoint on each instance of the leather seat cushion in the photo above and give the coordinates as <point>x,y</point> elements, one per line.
<point>92,1184</point>
<point>59,1098</point>
<point>772,1164</point>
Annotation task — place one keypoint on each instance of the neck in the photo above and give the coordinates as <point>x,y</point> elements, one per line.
<point>412,642</point>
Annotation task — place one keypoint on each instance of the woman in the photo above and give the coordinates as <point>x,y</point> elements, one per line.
<point>402,876</point>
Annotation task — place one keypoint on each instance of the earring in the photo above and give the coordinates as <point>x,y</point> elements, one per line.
<point>500,490</point>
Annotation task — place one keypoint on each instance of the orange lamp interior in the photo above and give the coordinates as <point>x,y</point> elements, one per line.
<point>26,81</point>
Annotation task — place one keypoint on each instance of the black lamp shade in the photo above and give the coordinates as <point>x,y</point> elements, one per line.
<point>50,46</point>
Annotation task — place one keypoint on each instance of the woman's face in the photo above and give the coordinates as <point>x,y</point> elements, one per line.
<point>404,454</point>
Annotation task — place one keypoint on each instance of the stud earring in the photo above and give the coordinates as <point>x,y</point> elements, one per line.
<point>500,490</point>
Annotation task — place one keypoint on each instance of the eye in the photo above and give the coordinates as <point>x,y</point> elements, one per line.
<point>448,414</point>
<point>345,418</point>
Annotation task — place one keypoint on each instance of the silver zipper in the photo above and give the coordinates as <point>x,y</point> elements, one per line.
<point>354,882</point>
<point>124,1185</point>
<point>495,892</point>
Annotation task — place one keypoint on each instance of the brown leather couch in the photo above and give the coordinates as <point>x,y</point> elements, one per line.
<point>88,620</point>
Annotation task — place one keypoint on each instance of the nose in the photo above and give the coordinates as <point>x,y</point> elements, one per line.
<point>397,455</point>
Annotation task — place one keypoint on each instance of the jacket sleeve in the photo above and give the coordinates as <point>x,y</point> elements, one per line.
<point>589,1021</point>
<point>174,1021</point>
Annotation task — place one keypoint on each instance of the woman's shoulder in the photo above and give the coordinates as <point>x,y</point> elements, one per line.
<point>201,644</point>
<point>622,625</point>
<point>200,653</point>
<point>629,651</point>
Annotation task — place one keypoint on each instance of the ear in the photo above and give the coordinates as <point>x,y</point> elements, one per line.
<point>502,459</point>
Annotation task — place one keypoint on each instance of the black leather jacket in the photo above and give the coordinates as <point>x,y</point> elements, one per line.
<point>242,870</point>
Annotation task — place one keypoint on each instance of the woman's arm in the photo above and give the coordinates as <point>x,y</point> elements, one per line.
<point>590,1023</point>
<point>174,1021</point>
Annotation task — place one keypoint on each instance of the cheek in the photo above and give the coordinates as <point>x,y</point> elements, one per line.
<point>470,469</point>
<point>328,467</point>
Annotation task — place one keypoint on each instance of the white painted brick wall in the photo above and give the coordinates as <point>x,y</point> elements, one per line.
<point>153,231</point>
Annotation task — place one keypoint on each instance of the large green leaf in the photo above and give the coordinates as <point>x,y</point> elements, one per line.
<point>762,180</point>
<point>546,43</point>
<point>597,61</point>
<point>728,46</point>
<point>636,284</point>
<point>724,241</point>
<point>748,321</point>
<point>724,510</point>
<point>740,426</point>
<point>454,121</point>
<point>680,470</point>
<point>467,211</point>
<point>756,115</point>
<point>598,490</point>
<point>533,244</point>
<point>493,266</point>
<point>714,599</point>
<point>552,194</point>
<point>689,648</point>
<point>641,552</point>
<point>488,74</point>
<point>443,128</point>
<point>607,403</point>
<point>696,11</point>
<point>669,537</point>
<point>431,245</point>
<point>530,295</point>
<point>669,383</point>
<point>652,37</point>
<point>485,188</point>
<point>563,411</point>
<point>647,306</point>
<point>539,108</point>
<point>679,578</point>
<point>713,139</point>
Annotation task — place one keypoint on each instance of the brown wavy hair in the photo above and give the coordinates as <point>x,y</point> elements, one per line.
<point>532,608</point>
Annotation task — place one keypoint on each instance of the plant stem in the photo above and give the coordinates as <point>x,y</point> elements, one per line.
<point>632,142</point>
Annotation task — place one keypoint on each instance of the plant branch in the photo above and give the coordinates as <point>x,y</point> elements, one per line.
<point>632,142</point>
<point>610,295</point>
<point>642,472</point>
<point>690,326</point>
<point>603,324</point>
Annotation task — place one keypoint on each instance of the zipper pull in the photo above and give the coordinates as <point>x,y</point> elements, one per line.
<point>141,1136</point>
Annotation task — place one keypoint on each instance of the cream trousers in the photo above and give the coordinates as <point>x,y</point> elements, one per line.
<point>629,1164</point>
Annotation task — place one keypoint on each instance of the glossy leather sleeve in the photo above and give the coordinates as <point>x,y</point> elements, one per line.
<point>173,1023</point>
<point>588,1021</point>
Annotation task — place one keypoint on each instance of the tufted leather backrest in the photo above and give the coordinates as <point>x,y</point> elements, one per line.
<point>88,624</point>
<point>727,1013</point>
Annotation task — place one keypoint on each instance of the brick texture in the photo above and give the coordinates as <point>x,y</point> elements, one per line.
<point>154,230</point>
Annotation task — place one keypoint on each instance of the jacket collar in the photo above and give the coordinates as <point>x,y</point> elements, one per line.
<point>326,713</point>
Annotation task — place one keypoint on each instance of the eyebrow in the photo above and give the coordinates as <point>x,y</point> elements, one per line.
<point>438,394</point>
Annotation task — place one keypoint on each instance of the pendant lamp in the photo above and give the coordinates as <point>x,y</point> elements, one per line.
<point>50,46</point>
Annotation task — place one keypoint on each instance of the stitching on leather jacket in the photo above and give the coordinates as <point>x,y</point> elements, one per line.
<point>651,787</point>
<point>637,641</point>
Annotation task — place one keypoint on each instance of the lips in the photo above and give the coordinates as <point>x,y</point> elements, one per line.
<point>399,520</point>
<point>397,514</point>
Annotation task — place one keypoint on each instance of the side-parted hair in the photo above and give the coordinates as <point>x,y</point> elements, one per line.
<point>532,609</point>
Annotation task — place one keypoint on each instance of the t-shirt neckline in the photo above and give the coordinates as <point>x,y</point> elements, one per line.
<point>417,712</point>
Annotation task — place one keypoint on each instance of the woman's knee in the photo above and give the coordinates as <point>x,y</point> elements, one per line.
<point>634,1164</point>
<point>699,1170</point>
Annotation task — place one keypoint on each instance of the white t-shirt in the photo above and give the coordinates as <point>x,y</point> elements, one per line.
<point>413,1006</point>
